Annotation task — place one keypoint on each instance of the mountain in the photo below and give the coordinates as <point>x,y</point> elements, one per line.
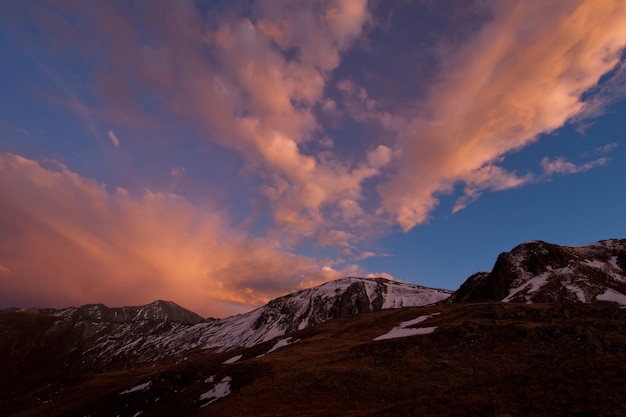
<point>540,272</point>
<point>46,343</point>
<point>158,311</point>
<point>96,337</point>
<point>340,298</point>
<point>459,359</point>
<point>353,346</point>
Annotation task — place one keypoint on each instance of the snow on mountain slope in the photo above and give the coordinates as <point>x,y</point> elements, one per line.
<point>114,337</point>
<point>313,306</point>
<point>541,272</point>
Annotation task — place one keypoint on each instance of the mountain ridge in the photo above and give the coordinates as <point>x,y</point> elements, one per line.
<point>98,337</point>
<point>538,271</point>
<point>156,311</point>
<point>535,271</point>
<point>338,341</point>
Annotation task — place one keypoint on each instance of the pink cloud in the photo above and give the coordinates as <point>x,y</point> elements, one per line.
<point>114,140</point>
<point>67,240</point>
<point>522,75</point>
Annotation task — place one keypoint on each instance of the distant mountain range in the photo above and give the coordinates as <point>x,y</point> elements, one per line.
<point>110,338</point>
<point>61,347</point>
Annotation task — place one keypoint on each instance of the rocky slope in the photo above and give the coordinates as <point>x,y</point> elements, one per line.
<point>95,337</point>
<point>537,272</point>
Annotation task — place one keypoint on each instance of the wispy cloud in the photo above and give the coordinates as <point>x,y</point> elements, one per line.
<point>114,140</point>
<point>177,172</point>
<point>523,74</point>
<point>488,177</point>
<point>602,150</point>
<point>562,166</point>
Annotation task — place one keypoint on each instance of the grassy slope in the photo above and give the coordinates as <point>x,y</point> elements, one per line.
<point>484,359</point>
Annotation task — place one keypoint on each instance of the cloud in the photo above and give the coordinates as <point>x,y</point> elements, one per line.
<point>488,177</point>
<point>602,96</point>
<point>177,172</point>
<point>309,193</point>
<point>254,77</point>
<point>4,271</point>
<point>114,140</point>
<point>602,150</point>
<point>361,107</point>
<point>66,240</point>
<point>251,81</point>
<point>380,275</point>
<point>524,74</point>
<point>562,166</point>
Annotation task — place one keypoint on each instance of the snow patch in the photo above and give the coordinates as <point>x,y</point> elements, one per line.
<point>417,320</point>
<point>594,263</point>
<point>397,332</point>
<point>220,390</point>
<point>140,387</point>
<point>403,329</point>
<point>233,359</point>
<point>580,294</point>
<point>531,286</point>
<point>281,343</point>
<point>614,296</point>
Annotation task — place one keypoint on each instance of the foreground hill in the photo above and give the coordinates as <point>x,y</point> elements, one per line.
<point>537,272</point>
<point>477,359</point>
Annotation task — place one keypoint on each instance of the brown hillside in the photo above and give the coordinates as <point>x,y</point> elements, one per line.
<point>488,359</point>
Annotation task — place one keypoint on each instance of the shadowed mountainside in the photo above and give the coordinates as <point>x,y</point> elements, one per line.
<point>472,359</point>
<point>351,347</point>
<point>542,272</point>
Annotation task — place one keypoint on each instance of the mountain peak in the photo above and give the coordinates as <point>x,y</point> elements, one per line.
<point>157,311</point>
<point>538,271</point>
<point>340,298</point>
<point>161,310</point>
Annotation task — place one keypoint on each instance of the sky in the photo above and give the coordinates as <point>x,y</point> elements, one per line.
<point>222,153</point>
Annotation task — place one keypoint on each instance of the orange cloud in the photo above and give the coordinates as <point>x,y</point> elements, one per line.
<point>522,75</point>
<point>66,240</point>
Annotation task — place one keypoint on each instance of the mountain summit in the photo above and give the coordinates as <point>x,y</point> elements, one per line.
<point>540,272</point>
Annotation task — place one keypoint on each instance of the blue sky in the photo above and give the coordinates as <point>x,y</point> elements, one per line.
<point>220,154</point>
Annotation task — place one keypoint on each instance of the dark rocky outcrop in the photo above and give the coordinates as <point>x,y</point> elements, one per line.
<point>542,272</point>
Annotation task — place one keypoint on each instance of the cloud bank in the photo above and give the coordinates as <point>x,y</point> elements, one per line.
<point>264,80</point>
<point>66,240</point>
